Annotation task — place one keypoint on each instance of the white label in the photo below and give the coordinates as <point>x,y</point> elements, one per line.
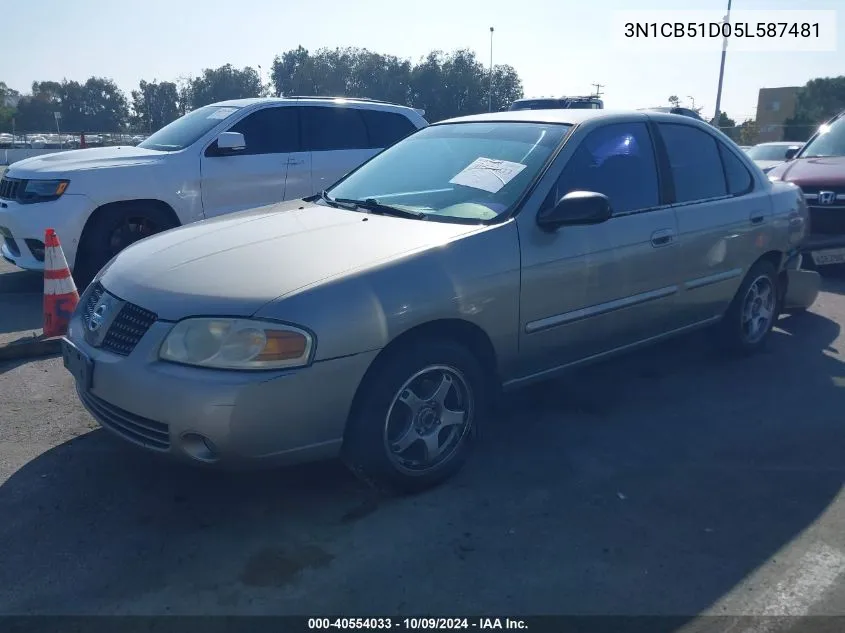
<point>488,174</point>
<point>221,113</point>
<point>792,30</point>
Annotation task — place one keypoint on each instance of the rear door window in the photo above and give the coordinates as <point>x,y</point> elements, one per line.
<point>694,161</point>
<point>326,128</point>
<point>386,128</point>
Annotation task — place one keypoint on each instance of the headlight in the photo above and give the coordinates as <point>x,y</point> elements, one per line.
<point>237,344</point>
<point>43,190</point>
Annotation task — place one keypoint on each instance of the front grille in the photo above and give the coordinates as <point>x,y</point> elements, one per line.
<point>131,323</point>
<point>127,328</point>
<point>147,433</point>
<point>827,221</point>
<point>11,188</point>
<point>815,189</point>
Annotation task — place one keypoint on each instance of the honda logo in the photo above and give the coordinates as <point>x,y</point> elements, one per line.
<point>827,197</point>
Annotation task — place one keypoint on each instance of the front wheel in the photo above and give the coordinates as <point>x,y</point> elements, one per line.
<point>752,314</point>
<point>416,416</point>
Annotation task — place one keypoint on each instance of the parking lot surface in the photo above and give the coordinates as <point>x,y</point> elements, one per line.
<point>672,481</point>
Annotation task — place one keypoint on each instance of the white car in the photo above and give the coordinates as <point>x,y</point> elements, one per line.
<point>216,159</point>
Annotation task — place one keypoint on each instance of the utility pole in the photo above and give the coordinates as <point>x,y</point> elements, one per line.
<point>598,89</point>
<point>691,98</point>
<point>722,70</point>
<point>490,90</point>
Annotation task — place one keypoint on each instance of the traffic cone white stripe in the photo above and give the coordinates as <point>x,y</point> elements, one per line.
<point>54,260</point>
<point>58,286</point>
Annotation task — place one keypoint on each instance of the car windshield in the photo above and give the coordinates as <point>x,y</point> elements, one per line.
<point>769,152</point>
<point>830,141</point>
<point>467,172</point>
<point>188,129</point>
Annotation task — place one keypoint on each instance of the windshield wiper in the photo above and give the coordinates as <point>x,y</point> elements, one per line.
<point>374,206</point>
<point>336,203</point>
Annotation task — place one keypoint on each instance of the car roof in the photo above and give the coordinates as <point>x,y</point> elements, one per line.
<point>568,116</point>
<point>372,103</point>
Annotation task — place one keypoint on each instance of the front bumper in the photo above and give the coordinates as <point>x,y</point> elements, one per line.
<point>22,225</point>
<point>249,419</point>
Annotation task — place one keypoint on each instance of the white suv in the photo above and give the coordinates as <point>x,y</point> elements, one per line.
<point>216,159</point>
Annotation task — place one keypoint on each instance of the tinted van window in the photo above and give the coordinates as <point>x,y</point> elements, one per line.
<point>618,161</point>
<point>385,128</point>
<point>333,128</point>
<point>270,131</point>
<point>695,162</point>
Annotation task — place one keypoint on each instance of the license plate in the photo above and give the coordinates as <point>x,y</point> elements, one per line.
<point>78,364</point>
<point>832,256</point>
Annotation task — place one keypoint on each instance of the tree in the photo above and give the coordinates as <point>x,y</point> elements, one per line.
<point>154,105</point>
<point>674,101</point>
<point>221,84</point>
<point>728,126</point>
<point>817,101</point>
<point>9,99</point>
<point>748,133</point>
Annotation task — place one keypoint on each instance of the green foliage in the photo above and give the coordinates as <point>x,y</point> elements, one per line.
<point>748,133</point>
<point>818,100</point>
<point>444,84</point>
<point>728,126</point>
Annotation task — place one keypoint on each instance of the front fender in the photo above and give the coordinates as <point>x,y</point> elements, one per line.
<point>474,279</point>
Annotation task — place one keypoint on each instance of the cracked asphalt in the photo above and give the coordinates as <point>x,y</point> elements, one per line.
<point>672,481</point>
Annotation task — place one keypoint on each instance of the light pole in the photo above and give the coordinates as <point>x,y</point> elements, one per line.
<point>490,90</point>
<point>722,70</point>
<point>691,98</point>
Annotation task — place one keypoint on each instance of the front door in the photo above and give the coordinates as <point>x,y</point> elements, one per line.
<point>588,290</point>
<point>256,175</point>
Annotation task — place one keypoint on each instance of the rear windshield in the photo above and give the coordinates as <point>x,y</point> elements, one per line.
<point>769,152</point>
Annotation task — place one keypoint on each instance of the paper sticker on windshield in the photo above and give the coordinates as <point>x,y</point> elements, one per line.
<point>488,174</point>
<point>221,113</point>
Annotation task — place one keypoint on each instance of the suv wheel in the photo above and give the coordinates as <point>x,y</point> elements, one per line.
<point>113,230</point>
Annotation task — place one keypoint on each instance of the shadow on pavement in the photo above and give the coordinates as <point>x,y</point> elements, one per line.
<point>16,280</point>
<point>649,485</point>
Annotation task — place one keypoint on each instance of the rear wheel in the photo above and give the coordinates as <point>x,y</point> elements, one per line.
<point>416,416</point>
<point>748,321</point>
<point>112,230</point>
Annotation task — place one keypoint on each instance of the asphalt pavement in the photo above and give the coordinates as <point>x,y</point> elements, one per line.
<point>673,481</point>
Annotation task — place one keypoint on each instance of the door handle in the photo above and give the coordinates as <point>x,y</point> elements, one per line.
<point>757,218</point>
<point>662,237</point>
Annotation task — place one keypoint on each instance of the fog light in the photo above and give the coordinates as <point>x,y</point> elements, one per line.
<point>199,447</point>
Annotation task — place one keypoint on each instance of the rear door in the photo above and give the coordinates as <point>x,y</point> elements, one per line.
<point>337,139</point>
<point>257,175</point>
<point>722,219</point>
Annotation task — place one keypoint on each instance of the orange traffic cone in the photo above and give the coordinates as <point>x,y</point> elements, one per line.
<point>60,295</point>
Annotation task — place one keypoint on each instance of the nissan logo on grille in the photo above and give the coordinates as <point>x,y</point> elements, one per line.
<point>827,197</point>
<point>98,316</point>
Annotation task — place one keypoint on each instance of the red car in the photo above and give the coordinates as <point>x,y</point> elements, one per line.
<point>819,169</point>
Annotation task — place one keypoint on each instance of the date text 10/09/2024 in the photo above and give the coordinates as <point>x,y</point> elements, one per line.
<point>743,30</point>
<point>409,624</point>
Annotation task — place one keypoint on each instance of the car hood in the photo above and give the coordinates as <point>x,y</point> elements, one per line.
<point>60,163</point>
<point>236,264</point>
<point>812,171</point>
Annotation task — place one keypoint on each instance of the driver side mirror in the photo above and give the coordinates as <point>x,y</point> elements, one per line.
<point>791,152</point>
<point>229,142</point>
<point>576,208</point>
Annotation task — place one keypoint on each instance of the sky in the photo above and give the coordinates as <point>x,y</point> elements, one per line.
<point>558,47</point>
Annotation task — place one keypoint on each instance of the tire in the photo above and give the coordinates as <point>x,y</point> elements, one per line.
<point>113,229</point>
<point>386,445</point>
<point>746,326</point>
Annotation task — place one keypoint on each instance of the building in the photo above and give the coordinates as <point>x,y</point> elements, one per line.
<point>774,107</point>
